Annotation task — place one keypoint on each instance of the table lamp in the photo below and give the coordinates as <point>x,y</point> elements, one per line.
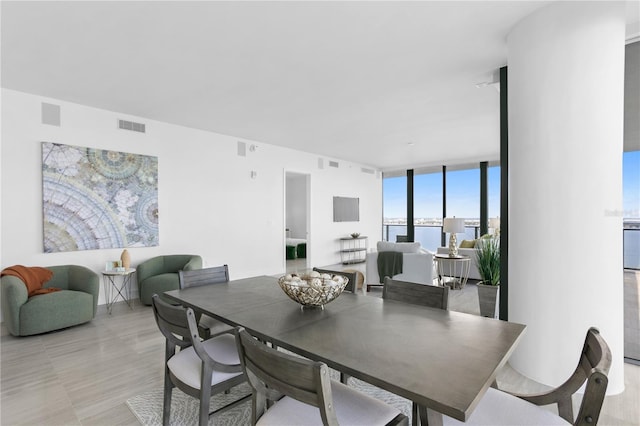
<point>494,223</point>
<point>453,226</point>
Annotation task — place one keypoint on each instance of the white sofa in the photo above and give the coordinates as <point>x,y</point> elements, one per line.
<point>470,252</point>
<point>417,263</point>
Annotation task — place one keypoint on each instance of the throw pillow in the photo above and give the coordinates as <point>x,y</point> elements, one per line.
<point>467,243</point>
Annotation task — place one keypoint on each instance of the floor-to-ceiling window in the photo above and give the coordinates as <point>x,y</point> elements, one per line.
<point>493,188</point>
<point>631,208</point>
<point>394,206</point>
<point>463,199</point>
<point>438,192</point>
<point>427,207</point>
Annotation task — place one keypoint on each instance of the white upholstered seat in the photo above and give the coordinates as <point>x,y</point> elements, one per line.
<point>499,408</point>
<point>352,408</point>
<point>186,365</point>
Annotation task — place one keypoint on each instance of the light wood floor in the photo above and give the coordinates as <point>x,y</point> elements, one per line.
<point>83,375</point>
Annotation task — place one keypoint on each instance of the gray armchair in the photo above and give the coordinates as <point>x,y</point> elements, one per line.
<point>160,274</point>
<point>74,304</point>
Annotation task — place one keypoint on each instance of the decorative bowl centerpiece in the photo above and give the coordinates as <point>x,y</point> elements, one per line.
<point>314,289</point>
<point>355,235</point>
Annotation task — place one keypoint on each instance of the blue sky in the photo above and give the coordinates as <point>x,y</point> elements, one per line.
<point>463,192</point>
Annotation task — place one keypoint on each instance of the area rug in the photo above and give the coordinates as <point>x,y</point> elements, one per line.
<point>147,407</point>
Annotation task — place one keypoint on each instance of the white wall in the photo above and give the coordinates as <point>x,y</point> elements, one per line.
<point>208,202</point>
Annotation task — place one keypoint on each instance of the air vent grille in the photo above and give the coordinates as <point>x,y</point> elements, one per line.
<point>368,171</point>
<point>334,164</point>
<point>242,149</point>
<point>132,125</point>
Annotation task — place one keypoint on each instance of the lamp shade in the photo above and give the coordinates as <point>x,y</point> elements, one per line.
<point>453,225</point>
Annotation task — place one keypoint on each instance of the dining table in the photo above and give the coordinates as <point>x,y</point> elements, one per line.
<point>442,360</point>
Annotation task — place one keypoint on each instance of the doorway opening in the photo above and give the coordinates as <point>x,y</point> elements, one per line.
<point>296,221</point>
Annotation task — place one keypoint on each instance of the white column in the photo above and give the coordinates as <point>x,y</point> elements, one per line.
<point>566,81</point>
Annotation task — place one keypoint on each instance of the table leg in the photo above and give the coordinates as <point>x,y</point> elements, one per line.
<point>414,414</point>
<point>107,293</point>
<point>429,417</point>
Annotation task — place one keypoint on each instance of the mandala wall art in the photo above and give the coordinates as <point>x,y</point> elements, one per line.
<point>97,199</point>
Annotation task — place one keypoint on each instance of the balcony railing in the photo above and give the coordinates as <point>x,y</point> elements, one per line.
<point>430,237</point>
<point>631,248</point>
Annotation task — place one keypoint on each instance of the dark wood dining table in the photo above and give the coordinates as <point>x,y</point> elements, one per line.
<point>442,360</point>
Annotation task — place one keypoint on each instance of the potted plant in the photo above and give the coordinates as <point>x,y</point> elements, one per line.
<point>488,262</point>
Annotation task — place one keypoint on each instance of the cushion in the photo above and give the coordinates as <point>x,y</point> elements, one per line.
<point>498,408</point>
<point>399,247</point>
<point>186,365</point>
<point>158,284</point>
<point>467,243</point>
<point>56,310</point>
<point>352,408</point>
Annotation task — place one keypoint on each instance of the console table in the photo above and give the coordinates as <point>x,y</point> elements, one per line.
<point>353,250</point>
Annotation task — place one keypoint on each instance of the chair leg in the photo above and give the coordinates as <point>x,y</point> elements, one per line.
<point>205,397</point>
<point>166,404</point>
<point>204,408</point>
<point>344,378</point>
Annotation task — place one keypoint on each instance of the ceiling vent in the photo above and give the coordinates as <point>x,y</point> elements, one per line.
<point>242,149</point>
<point>368,171</point>
<point>50,114</point>
<point>334,164</point>
<point>132,125</point>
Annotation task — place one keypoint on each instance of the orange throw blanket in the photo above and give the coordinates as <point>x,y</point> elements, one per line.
<point>33,277</point>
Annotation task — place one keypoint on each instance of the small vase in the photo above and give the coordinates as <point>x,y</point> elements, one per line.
<point>125,257</point>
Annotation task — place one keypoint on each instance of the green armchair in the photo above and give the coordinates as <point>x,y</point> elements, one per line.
<point>160,274</point>
<point>75,304</point>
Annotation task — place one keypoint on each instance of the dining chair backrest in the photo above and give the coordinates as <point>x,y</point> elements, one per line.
<point>593,368</point>
<point>173,324</point>
<point>180,327</point>
<point>417,294</point>
<point>272,373</point>
<point>351,286</point>
<point>205,276</point>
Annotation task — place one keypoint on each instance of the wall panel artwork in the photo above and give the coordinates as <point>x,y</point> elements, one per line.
<point>98,199</point>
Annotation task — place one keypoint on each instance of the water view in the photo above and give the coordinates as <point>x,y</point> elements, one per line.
<point>429,236</point>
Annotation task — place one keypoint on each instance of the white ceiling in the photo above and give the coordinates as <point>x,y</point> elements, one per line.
<point>355,80</point>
